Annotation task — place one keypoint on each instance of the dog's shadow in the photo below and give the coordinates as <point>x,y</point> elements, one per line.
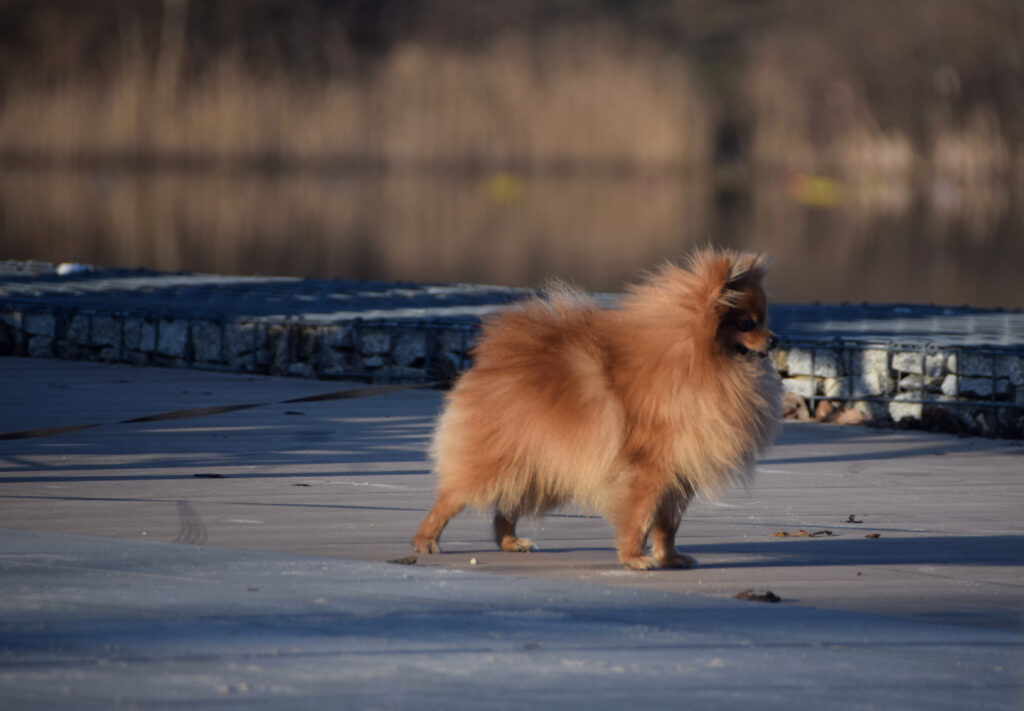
<point>838,550</point>
<point>862,551</point>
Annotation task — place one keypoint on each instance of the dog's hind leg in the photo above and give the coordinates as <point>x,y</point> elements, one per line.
<point>505,534</point>
<point>445,508</point>
<point>663,532</point>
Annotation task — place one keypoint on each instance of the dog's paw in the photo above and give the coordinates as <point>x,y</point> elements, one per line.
<point>517,545</point>
<point>677,560</point>
<point>425,545</point>
<point>639,562</point>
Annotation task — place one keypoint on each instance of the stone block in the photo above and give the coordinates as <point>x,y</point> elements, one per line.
<point>920,383</point>
<point>979,388</point>
<point>240,340</point>
<point>1012,367</point>
<point>822,362</point>
<point>900,409</point>
<point>410,349</point>
<point>40,347</point>
<point>794,407</point>
<point>261,354</point>
<point>835,388</point>
<point>984,365</point>
<point>133,334</point>
<point>870,385</point>
<point>106,332</point>
<point>139,340</point>
<point>919,363</point>
<point>278,348</point>
<point>965,416</point>
<point>305,341</point>
<point>338,337</point>
<point>874,411</point>
<point>40,324</point>
<point>451,340</point>
<point>966,363</point>
<point>245,347</point>
<point>374,341</point>
<point>803,385</point>
<point>76,330</point>
<point>172,338</point>
<point>870,360</point>
<point>334,362</point>
<point>207,342</point>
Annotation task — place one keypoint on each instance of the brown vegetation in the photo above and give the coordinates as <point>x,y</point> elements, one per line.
<point>566,97</point>
<point>893,87</point>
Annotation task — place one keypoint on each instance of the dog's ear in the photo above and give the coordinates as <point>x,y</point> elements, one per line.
<point>748,269</point>
<point>705,286</point>
<point>723,275</point>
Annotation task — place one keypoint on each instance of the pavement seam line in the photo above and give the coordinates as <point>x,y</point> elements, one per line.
<point>220,409</point>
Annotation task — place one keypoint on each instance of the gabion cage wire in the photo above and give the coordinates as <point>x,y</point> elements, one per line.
<point>969,382</point>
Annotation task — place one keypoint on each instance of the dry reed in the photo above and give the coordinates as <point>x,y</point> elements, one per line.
<point>578,97</point>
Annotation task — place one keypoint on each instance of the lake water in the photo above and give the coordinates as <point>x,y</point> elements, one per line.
<point>831,242</point>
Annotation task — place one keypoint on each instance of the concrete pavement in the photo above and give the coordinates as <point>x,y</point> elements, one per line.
<point>238,560</point>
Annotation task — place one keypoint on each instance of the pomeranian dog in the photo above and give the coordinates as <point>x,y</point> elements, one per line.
<point>630,412</point>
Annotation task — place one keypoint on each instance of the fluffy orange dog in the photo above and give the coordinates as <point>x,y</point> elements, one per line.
<point>630,412</point>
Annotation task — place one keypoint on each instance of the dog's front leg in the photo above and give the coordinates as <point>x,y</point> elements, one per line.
<point>634,519</point>
<point>663,532</point>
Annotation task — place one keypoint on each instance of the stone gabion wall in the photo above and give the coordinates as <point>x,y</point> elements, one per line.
<point>375,351</point>
<point>974,390</point>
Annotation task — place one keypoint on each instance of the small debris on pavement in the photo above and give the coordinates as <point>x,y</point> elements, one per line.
<point>873,535</point>
<point>758,596</point>
<point>853,519</point>
<point>801,532</point>
<point>407,560</point>
<point>207,475</point>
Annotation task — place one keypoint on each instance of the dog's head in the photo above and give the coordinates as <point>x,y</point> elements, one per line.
<point>743,327</point>
<point>714,301</point>
<point>739,302</point>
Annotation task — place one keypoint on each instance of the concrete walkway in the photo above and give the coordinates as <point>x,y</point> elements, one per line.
<point>238,560</point>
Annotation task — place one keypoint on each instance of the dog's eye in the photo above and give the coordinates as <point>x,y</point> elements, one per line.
<point>746,324</point>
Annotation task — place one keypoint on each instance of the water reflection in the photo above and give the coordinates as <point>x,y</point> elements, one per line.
<point>832,241</point>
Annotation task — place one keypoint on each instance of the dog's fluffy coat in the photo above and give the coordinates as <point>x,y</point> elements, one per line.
<point>630,411</point>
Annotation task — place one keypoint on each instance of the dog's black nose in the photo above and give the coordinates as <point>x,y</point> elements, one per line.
<point>773,343</point>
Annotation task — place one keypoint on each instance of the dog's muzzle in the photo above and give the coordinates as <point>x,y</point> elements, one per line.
<point>773,343</point>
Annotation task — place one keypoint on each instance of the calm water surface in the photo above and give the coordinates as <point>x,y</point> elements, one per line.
<point>938,244</point>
